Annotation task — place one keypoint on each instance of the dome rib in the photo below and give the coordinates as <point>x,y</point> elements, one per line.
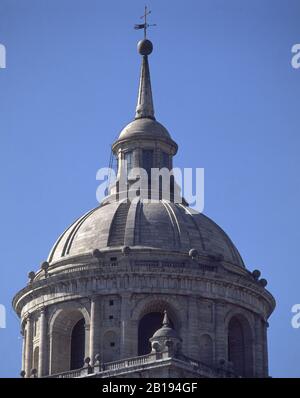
<point>192,220</point>
<point>70,239</point>
<point>63,235</point>
<point>174,223</point>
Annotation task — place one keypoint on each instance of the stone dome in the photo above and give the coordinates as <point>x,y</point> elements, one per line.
<point>164,225</point>
<point>144,127</point>
<point>165,331</point>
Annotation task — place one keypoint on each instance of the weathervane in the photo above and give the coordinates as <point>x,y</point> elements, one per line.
<point>144,25</point>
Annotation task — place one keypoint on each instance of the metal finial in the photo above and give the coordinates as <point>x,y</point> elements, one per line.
<point>144,25</point>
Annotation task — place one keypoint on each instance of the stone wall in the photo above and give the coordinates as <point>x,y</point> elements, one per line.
<point>200,299</point>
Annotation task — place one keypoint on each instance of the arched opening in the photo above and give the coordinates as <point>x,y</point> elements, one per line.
<point>240,346</point>
<point>68,340</point>
<point>206,349</point>
<point>147,326</point>
<point>78,345</point>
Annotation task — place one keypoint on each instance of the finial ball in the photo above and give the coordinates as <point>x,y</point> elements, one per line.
<point>145,47</point>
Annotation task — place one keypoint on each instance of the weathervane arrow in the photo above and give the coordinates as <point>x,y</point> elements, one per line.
<point>144,25</point>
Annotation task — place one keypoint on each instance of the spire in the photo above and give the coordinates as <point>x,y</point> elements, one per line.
<point>166,322</point>
<point>144,108</point>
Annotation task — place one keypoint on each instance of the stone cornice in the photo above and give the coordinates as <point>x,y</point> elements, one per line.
<point>152,276</point>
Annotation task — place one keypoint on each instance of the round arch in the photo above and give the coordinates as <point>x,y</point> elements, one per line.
<point>159,304</point>
<point>149,315</point>
<point>240,348</point>
<point>64,325</point>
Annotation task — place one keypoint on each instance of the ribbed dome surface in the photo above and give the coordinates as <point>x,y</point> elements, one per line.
<point>162,225</point>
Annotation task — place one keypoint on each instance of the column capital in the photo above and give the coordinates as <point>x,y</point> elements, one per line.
<point>28,318</point>
<point>94,297</point>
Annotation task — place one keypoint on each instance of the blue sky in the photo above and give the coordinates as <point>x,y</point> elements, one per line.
<point>223,86</point>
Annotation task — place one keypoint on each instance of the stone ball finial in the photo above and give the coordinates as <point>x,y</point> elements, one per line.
<point>31,276</point>
<point>263,282</point>
<point>145,47</point>
<point>45,266</point>
<point>256,274</point>
<point>126,250</point>
<point>87,360</point>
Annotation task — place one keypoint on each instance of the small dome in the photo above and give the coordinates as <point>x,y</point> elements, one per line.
<point>163,225</point>
<point>144,127</point>
<point>165,331</point>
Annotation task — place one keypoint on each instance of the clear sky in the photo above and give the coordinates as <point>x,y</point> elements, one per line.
<point>223,86</point>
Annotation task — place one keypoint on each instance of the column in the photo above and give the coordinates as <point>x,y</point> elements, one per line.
<point>23,333</point>
<point>258,348</point>
<point>28,345</point>
<point>190,332</point>
<point>94,327</point>
<point>43,357</point>
<point>265,326</point>
<point>221,349</point>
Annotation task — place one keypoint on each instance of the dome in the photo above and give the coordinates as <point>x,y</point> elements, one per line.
<point>163,225</point>
<point>165,332</point>
<point>145,127</point>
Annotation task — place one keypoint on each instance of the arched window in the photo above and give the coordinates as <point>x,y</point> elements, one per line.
<point>148,161</point>
<point>147,326</point>
<point>128,161</point>
<point>240,346</point>
<point>78,345</point>
<point>206,349</point>
<point>68,335</point>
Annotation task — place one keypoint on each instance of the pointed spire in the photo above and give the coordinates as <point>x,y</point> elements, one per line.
<point>145,108</point>
<point>166,322</point>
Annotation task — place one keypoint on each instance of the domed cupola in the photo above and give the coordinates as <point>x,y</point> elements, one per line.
<point>166,339</point>
<point>144,142</point>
